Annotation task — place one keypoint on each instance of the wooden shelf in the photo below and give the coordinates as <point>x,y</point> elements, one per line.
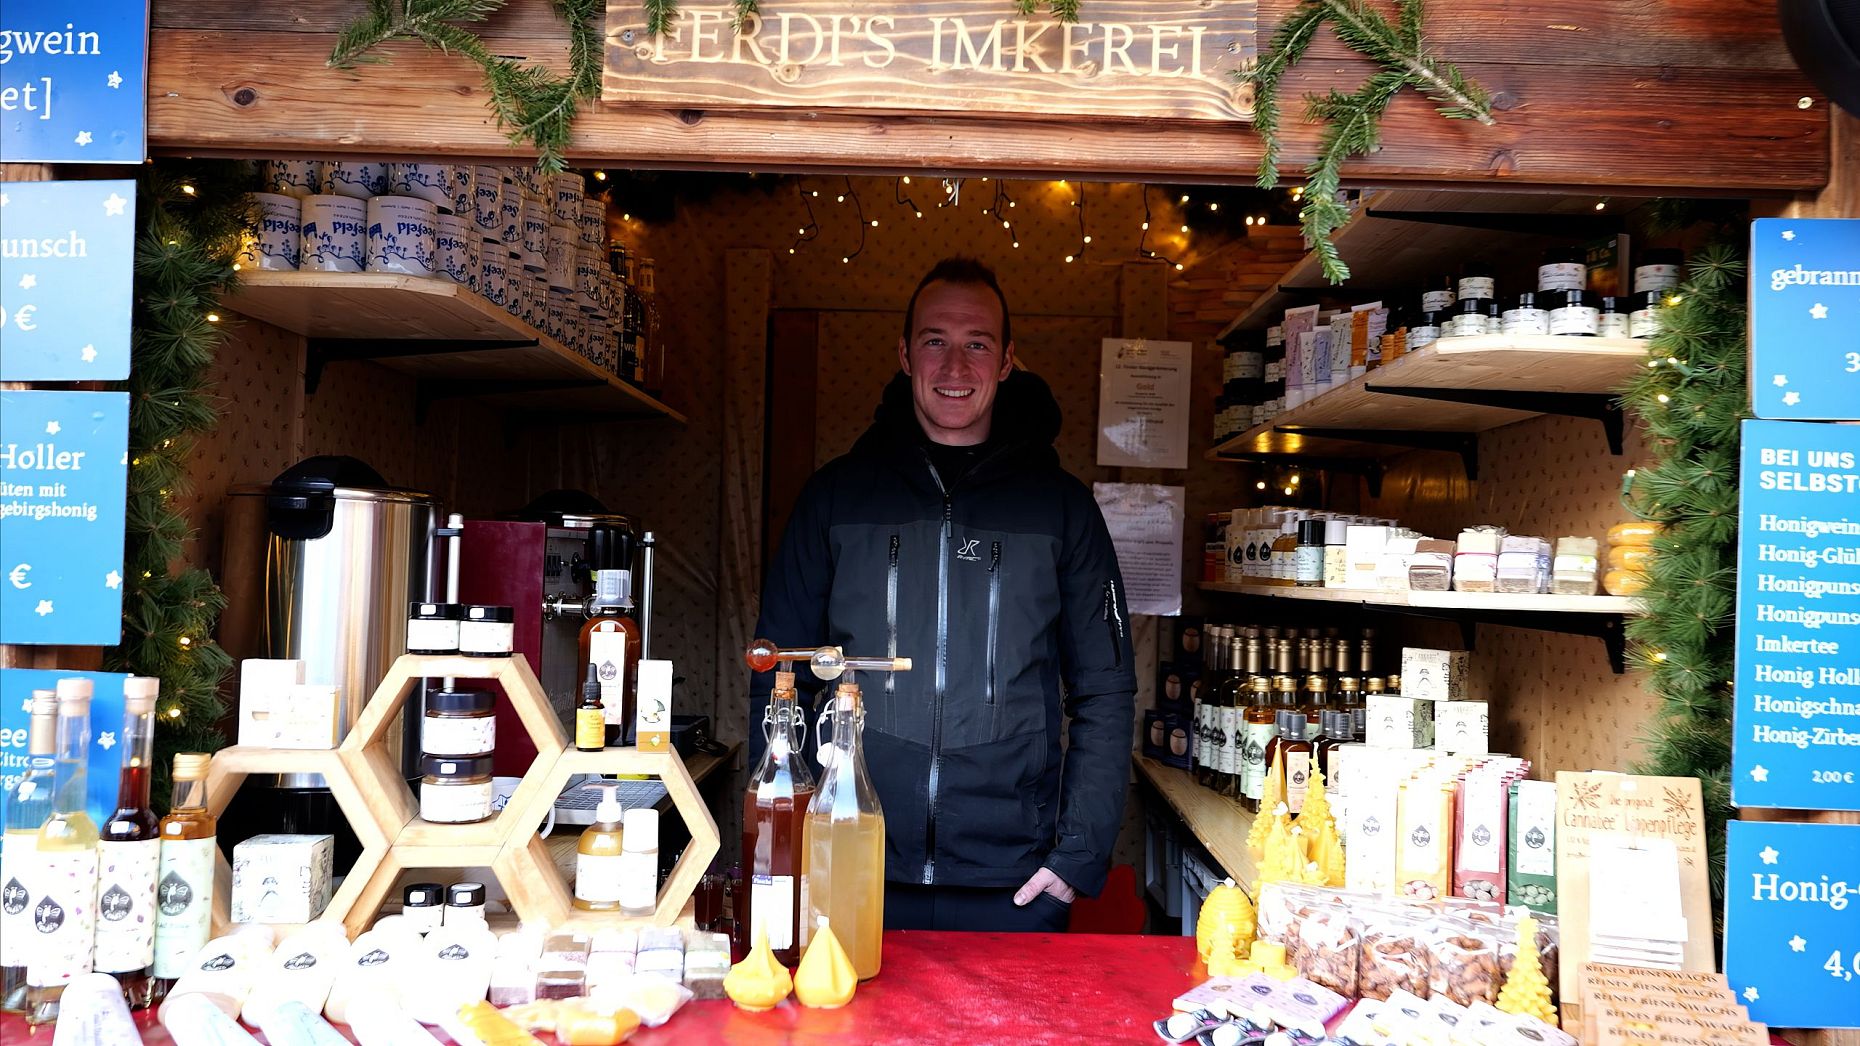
<point>426,327</point>
<point>1384,251</point>
<point>1218,822</point>
<point>1469,385</point>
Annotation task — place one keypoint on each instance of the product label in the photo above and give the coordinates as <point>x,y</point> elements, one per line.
<point>639,881</point>
<point>1575,319</point>
<point>64,915</point>
<point>1232,757</point>
<point>1230,367</point>
<point>1254,738</point>
<point>458,735</point>
<point>1422,335</point>
<point>597,878</point>
<point>455,804</point>
<point>607,652</point>
<point>1524,321</point>
<point>1613,325</point>
<point>1336,566</point>
<point>1249,365</point>
<point>17,854</point>
<point>126,905</point>
<point>1308,563</point>
<point>590,730</point>
<point>771,906</point>
<point>1470,325</point>
<point>1643,323</point>
<point>1297,779</point>
<point>1562,276</point>
<point>1482,828</point>
<point>1536,830</point>
<point>1436,301</point>
<point>1201,733</point>
<point>486,637</point>
<point>1477,287</point>
<point>183,903</point>
<point>1655,278</point>
<point>437,636</point>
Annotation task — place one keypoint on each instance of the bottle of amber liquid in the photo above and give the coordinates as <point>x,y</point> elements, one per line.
<point>1257,730</point>
<point>1285,553</point>
<point>1350,699</point>
<point>184,883</point>
<point>1338,730</point>
<point>610,642</point>
<point>1317,701</point>
<point>1294,753</point>
<point>129,855</point>
<point>774,828</point>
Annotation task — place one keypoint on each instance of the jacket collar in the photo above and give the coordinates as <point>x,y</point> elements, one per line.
<point>1026,421</point>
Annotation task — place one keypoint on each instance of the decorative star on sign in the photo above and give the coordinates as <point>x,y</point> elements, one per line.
<point>28,282</point>
<point>1797,944</point>
<point>26,705</point>
<point>112,579</point>
<point>83,138</point>
<point>1788,234</point>
<point>1750,993</point>
<point>44,607</point>
<point>1759,773</point>
<point>1818,311</point>
<point>1792,398</point>
<point>1780,380</point>
<point>1769,854</point>
<point>5,199</point>
<point>88,354</point>
<point>52,428</point>
<point>115,79</point>
<point>113,205</point>
<point>106,740</point>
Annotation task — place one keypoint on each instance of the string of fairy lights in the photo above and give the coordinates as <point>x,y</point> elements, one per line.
<point>1000,205</point>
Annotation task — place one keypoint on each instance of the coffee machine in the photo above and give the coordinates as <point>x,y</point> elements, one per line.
<point>541,562</point>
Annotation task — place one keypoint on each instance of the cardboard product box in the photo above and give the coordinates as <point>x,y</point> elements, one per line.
<point>1433,675</point>
<point>264,687</point>
<point>281,878</point>
<point>1530,855</point>
<point>306,718</point>
<point>1362,548</point>
<point>1399,721</point>
<point>1175,686</point>
<point>1167,738</point>
<point>1462,727</point>
<point>1188,644</point>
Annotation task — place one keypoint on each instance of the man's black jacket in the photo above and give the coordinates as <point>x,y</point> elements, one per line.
<point>1003,589</point>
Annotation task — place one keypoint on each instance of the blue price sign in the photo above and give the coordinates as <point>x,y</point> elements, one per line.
<point>1796,733</point>
<point>1792,924</point>
<point>1805,318</point>
<point>65,297</point>
<point>106,731</point>
<point>73,79</point>
<point>63,463</point>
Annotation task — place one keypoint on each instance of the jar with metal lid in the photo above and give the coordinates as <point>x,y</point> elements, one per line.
<point>433,628</point>
<point>1470,319</point>
<point>456,791</point>
<point>1574,313</point>
<point>459,722</point>
<point>1562,269</point>
<point>1658,269</point>
<point>1425,331</point>
<point>1613,322</point>
<point>1478,280</point>
<point>1524,316</point>
<point>1438,297</point>
<point>1644,313</point>
<point>487,631</point>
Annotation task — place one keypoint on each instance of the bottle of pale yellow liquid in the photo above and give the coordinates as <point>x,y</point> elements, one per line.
<point>65,875</point>
<point>845,834</point>
<point>598,861</point>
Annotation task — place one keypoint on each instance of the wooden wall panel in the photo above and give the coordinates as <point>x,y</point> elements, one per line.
<point>1601,94</point>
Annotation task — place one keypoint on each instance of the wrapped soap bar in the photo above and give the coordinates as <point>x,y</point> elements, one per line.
<point>562,982</point>
<point>1430,569</point>
<point>1574,571</point>
<point>1523,565</point>
<point>617,941</point>
<point>607,970</point>
<point>564,949</point>
<point>707,960</point>
<point>513,972</point>
<point>661,951</point>
<point>1362,549</point>
<point>1475,559</point>
<point>1392,568</point>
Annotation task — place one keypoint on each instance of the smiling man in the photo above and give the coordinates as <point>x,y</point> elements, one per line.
<point>950,535</point>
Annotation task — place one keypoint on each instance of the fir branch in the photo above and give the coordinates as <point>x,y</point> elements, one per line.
<point>1288,46</point>
<point>659,15</point>
<point>744,8</point>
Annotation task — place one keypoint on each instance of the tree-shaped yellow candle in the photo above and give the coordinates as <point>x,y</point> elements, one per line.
<point>1283,854</point>
<point>1316,810</point>
<point>1270,798</point>
<point>825,979</point>
<point>1324,843</point>
<point>1526,990</point>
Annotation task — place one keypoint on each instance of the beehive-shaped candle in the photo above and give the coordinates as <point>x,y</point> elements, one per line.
<point>758,982</point>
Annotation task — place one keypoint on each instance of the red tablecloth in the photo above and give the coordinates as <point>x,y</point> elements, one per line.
<point>967,988</point>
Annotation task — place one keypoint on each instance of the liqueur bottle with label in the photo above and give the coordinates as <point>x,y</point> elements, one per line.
<point>64,882</point>
<point>28,807</point>
<point>1293,752</point>
<point>774,823</point>
<point>1207,750</point>
<point>184,882</point>
<point>1256,732</point>
<point>1232,705</point>
<point>610,642</point>
<point>129,855</point>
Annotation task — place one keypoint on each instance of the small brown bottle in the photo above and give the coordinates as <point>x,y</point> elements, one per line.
<point>1317,700</point>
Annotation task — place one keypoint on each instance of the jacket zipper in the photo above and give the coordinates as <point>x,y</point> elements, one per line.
<point>940,682</point>
<point>1114,621</point>
<point>994,619</point>
<point>891,616</point>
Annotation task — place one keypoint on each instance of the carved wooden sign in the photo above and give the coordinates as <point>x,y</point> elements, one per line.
<point>1134,59</point>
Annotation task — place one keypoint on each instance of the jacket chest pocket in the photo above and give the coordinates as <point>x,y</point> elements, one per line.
<point>1015,606</point>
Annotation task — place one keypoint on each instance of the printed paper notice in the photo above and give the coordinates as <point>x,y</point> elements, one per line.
<point>1145,521</point>
<point>1143,403</point>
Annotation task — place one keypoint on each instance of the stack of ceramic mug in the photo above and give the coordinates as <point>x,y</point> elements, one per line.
<point>530,243</point>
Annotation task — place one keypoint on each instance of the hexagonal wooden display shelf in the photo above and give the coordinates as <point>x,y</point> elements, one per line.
<point>369,788</point>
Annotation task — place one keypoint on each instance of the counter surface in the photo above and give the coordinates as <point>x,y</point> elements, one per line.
<point>963,988</point>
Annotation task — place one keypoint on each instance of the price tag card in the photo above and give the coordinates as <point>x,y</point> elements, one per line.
<point>1791,924</point>
<point>1796,730</point>
<point>65,298</point>
<point>1805,318</point>
<point>73,80</point>
<point>63,463</point>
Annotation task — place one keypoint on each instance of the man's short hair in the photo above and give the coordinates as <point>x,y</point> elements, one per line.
<point>960,269</point>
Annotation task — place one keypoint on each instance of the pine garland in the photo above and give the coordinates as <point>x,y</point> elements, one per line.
<point>1352,122</point>
<point>191,217</point>
<point>1692,399</point>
